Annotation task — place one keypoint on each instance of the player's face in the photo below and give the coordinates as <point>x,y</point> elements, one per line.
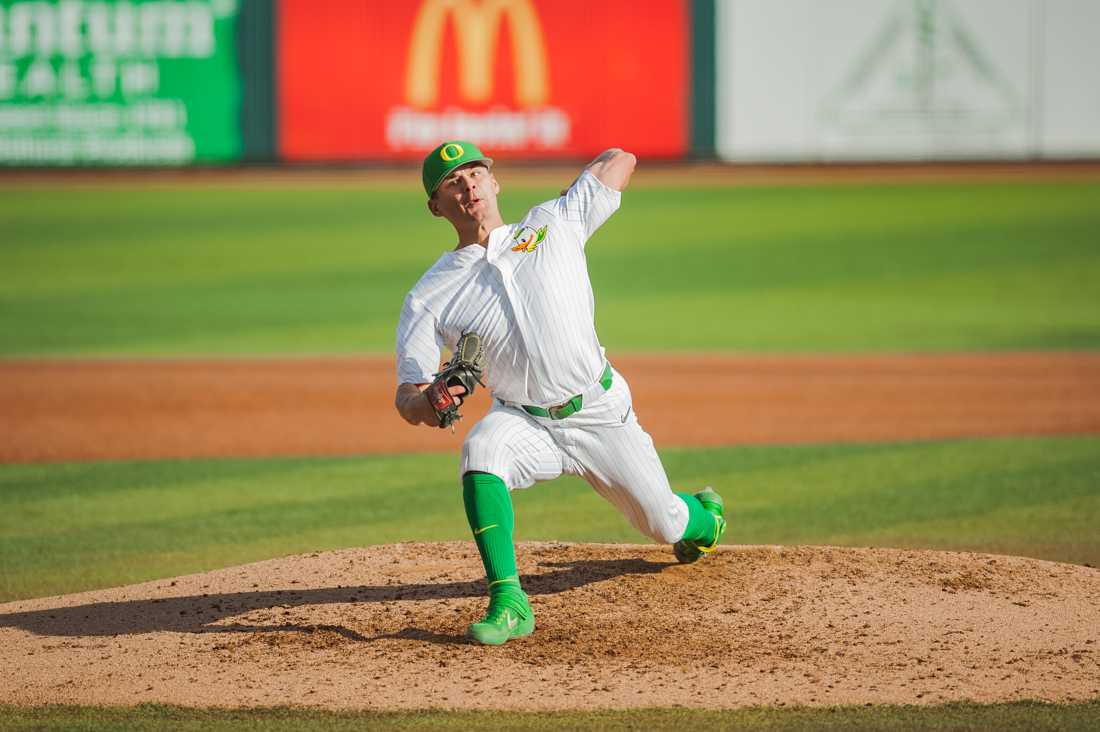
<point>468,193</point>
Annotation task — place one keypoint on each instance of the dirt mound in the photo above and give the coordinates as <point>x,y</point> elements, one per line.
<point>618,626</point>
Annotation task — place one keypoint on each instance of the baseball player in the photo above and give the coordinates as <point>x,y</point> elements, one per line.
<point>559,406</point>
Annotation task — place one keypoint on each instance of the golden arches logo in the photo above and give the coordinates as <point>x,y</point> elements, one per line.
<point>476,26</point>
<point>451,152</point>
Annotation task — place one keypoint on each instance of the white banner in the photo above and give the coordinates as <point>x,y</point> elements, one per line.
<point>907,79</point>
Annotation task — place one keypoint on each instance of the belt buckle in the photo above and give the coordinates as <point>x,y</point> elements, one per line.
<point>565,409</point>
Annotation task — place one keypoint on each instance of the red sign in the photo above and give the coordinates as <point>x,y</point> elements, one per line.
<point>521,78</point>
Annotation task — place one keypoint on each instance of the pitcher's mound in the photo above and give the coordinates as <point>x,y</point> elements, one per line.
<point>618,626</point>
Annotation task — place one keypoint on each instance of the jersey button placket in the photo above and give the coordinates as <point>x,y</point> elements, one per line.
<point>508,282</point>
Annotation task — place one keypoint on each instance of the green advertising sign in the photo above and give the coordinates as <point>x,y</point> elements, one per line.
<point>144,82</point>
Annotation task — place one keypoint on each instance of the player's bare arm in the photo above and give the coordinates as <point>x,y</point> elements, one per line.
<point>613,167</point>
<point>412,405</point>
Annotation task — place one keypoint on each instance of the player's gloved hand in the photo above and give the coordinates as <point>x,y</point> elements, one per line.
<point>457,380</point>
<point>458,393</point>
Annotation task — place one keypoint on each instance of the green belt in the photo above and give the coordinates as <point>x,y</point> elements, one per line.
<point>573,405</point>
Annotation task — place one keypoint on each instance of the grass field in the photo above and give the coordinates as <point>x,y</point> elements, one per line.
<point>992,266</point>
<point>1022,716</point>
<point>323,269</point>
<point>81,526</point>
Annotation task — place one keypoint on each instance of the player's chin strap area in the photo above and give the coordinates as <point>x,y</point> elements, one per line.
<point>574,403</point>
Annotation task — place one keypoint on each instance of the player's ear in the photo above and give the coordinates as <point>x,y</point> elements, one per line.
<point>496,185</point>
<point>433,206</point>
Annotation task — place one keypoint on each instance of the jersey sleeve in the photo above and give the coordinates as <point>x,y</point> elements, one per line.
<point>418,344</point>
<point>588,203</point>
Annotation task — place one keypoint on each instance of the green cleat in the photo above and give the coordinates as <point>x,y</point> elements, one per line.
<point>505,619</point>
<point>688,551</point>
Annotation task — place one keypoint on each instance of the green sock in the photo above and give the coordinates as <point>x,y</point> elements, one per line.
<point>701,525</point>
<point>489,511</point>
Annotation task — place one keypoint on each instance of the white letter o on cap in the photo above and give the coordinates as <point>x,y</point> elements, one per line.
<point>451,152</point>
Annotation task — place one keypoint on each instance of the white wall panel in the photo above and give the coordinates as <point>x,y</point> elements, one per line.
<point>1069,125</point>
<point>907,79</point>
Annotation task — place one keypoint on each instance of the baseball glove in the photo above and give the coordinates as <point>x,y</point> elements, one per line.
<point>464,369</point>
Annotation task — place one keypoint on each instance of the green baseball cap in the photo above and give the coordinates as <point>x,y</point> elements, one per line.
<point>445,158</point>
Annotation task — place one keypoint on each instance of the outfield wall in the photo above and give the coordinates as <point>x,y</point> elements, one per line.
<point>801,80</point>
<point>119,83</point>
<point>179,82</point>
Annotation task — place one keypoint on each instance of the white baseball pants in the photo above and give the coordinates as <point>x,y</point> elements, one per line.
<point>603,443</point>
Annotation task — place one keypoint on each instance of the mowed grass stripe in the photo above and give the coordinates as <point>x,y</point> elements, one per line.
<point>946,312</point>
<point>801,268</point>
<point>71,527</point>
<point>978,717</point>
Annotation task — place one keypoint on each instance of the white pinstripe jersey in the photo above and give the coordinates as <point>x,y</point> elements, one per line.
<point>526,293</point>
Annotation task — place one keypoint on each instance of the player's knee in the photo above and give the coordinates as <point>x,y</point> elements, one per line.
<point>665,521</point>
<point>474,460</point>
<point>479,456</point>
<point>475,481</point>
<point>659,528</point>
<point>665,532</point>
<point>660,532</point>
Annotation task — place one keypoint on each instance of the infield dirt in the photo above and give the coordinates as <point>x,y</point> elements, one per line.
<point>618,626</point>
<point>55,410</point>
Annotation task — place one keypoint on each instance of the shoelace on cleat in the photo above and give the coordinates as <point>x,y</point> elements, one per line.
<point>719,529</point>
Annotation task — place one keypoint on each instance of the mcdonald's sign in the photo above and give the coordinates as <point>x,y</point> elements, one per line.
<point>527,78</point>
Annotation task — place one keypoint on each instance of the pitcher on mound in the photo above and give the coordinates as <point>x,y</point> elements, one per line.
<point>559,406</point>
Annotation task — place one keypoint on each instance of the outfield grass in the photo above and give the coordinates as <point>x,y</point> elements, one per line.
<point>850,268</point>
<point>71,527</point>
<point>1015,716</point>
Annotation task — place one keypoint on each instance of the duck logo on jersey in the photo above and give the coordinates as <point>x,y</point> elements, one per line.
<point>527,238</point>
